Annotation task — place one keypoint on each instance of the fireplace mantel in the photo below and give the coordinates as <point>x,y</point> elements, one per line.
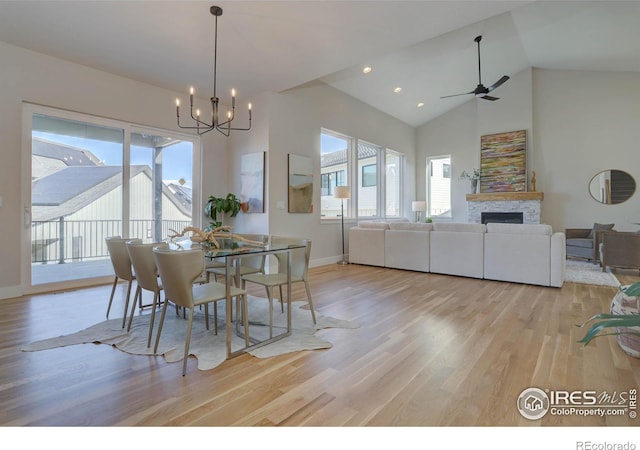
<point>504,196</point>
<point>529,203</point>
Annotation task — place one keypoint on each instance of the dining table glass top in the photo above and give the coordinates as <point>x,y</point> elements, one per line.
<point>229,247</point>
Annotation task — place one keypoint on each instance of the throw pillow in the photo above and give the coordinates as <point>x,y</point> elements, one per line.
<point>599,227</point>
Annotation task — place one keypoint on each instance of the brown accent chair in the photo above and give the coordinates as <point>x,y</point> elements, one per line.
<point>620,249</point>
<point>583,243</point>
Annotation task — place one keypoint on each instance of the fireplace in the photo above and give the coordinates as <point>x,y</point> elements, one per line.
<point>501,217</point>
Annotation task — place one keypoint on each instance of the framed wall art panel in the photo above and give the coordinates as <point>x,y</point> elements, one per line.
<point>252,182</point>
<point>503,162</point>
<point>300,184</point>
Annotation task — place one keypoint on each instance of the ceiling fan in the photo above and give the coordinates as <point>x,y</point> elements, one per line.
<point>481,91</point>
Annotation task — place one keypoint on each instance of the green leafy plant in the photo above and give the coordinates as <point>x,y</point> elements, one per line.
<point>217,207</point>
<point>604,323</point>
<point>428,220</point>
<point>474,175</point>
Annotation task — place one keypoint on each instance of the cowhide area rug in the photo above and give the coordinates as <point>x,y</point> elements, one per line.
<point>206,346</point>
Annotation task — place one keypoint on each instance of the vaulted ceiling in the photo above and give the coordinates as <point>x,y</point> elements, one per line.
<point>425,47</point>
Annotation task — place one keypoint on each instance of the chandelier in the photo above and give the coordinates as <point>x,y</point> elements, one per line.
<point>199,124</point>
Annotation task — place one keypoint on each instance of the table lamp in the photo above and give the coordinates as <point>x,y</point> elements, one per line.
<point>418,207</point>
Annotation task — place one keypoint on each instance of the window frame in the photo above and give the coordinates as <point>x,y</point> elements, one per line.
<point>429,187</point>
<point>352,172</point>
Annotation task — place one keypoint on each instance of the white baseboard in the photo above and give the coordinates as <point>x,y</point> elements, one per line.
<point>10,292</point>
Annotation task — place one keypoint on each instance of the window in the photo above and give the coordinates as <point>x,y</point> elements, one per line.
<point>378,174</point>
<point>446,171</point>
<point>331,180</point>
<point>439,186</point>
<point>369,176</point>
<point>93,178</point>
<point>334,168</point>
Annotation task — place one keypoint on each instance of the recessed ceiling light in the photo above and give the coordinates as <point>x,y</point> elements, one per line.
<point>397,90</point>
<point>420,105</point>
<point>367,69</point>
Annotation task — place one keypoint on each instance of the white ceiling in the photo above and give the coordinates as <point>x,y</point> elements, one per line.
<point>426,47</point>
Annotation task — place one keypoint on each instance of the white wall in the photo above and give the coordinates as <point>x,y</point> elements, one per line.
<point>585,122</point>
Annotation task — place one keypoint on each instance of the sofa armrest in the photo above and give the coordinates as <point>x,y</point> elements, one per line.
<point>558,257</point>
<point>366,246</point>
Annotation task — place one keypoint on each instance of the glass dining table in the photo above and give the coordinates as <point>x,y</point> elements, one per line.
<point>230,253</point>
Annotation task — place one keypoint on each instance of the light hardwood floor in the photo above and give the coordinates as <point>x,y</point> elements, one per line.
<point>431,350</point>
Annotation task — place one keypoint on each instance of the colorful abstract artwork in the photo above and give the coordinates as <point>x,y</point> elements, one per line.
<point>503,162</point>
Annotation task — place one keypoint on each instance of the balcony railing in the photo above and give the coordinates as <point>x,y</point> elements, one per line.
<point>61,241</point>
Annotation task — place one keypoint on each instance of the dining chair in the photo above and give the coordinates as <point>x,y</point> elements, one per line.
<point>299,273</point>
<point>246,265</point>
<point>178,270</point>
<point>117,248</point>
<point>144,265</point>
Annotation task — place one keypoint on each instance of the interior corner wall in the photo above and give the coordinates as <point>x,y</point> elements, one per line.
<point>458,132</point>
<point>27,76</point>
<point>241,143</point>
<point>585,122</point>
<point>295,121</point>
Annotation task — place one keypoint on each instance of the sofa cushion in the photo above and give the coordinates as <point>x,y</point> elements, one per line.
<point>460,227</point>
<point>374,225</point>
<point>516,228</point>
<point>414,226</point>
<point>580,242</point>
<point>600,227</point>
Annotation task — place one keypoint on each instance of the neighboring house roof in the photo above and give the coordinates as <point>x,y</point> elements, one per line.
<point>69,190</point>
<point>71,156</point>
<point>182,193</point>
<point>66,179</point>
<point>340,156</point>
<point>62,186</point>
<point>48,157</point>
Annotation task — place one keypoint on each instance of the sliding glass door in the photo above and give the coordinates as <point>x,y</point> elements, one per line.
<point>93,178</point>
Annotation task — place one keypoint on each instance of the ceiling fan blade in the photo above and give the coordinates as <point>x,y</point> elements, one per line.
<point>498,83</point>
<point>488,97</point>
<point>457,95</point>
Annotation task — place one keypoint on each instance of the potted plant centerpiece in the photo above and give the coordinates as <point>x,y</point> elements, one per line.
<point>623,321</point>
<point>217,207</point>
<point>473,177</point>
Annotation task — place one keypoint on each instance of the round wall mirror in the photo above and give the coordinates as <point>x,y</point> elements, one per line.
<point>612,187</point>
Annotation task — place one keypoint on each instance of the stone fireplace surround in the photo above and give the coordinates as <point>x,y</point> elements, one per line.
<point>529,203</point>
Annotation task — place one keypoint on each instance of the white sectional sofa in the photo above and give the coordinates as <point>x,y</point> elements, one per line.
<point>458,249</point>
<point>406,246</point>
<point>530,254</point>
